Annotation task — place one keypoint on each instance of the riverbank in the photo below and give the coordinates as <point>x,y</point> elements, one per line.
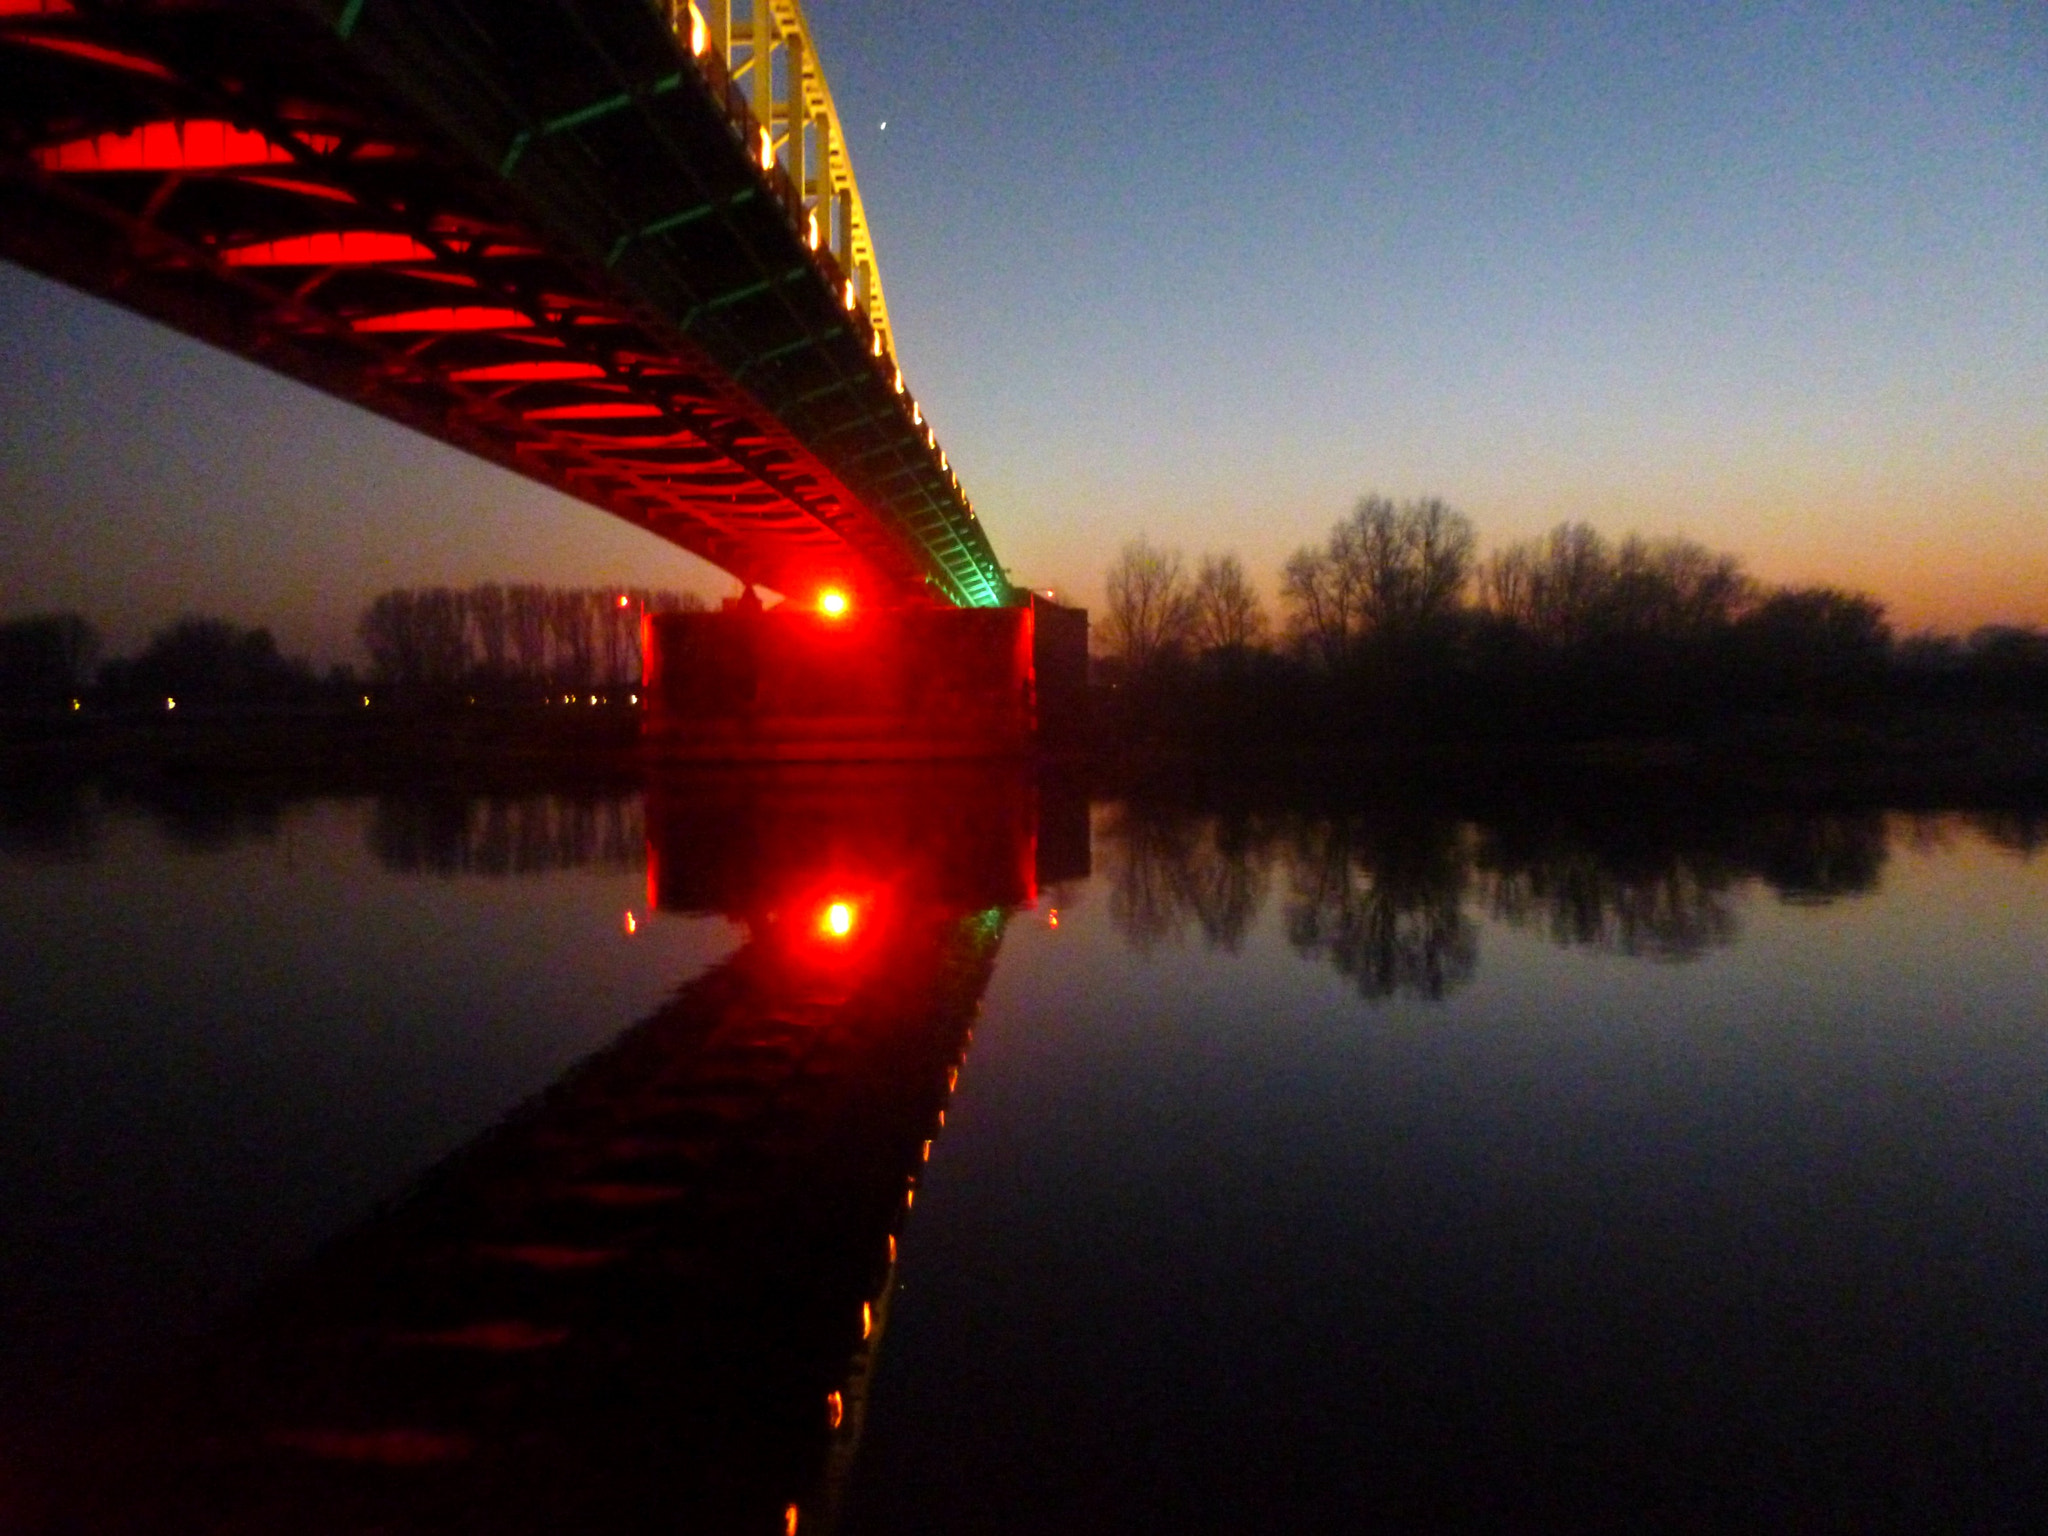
<point>1911,758</point>
<point>484,747</point>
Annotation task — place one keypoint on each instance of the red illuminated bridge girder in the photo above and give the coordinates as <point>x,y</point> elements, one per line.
<point>530,228</point>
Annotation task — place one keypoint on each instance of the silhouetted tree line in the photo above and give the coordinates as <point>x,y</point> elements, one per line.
<point>209,661</point>
<point>48,661</point>
<point>1394,626</point>
<point>1391,897</point>
<point>507,638</point>
<point>503,641</point>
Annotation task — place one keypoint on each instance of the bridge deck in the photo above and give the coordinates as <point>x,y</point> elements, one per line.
<point>539,231</point>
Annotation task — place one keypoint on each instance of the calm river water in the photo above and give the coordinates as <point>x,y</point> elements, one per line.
<point>943,1155</point>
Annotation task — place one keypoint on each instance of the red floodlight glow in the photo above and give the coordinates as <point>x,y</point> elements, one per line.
<point>837,920</point>
<point>95,53</point>
<point>832,603</point>
<point>471,317</point>
<point>194,145</point>
<point>355,247</point>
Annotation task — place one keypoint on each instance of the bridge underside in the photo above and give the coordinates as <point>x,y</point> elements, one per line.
<point>534,231</point>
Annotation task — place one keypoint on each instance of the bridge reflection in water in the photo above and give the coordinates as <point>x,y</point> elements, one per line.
<point>651,1298</point>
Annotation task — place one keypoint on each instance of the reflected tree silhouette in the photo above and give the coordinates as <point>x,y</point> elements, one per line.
<point>1228,884</point>
<point>1925,831</point>
<point>1813,860</point>
<point>1382,895</point>
<point>1667,890</point>
<point>1383,901</point>
<point>1143,852</point>
<point>1658,906</point>
<point>508,835</point>
<point>1168,867</point>
<point>2021,832</point>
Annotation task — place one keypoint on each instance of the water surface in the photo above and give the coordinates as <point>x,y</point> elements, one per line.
<point>1583,1168</point>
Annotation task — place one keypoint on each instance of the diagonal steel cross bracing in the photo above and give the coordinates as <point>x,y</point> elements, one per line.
<point>614,245</point>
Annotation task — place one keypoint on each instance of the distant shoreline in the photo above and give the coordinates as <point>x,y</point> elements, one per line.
<point>1908,758</point>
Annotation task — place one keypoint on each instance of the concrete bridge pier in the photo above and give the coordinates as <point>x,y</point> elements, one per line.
<point>806,684</point>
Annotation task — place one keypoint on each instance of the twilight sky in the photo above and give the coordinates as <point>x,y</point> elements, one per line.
<point>1774,277</point>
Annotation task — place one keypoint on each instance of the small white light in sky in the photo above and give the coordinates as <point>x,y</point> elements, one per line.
<point>885,126</point>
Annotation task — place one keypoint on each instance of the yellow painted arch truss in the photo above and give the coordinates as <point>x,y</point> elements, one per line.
<point>766,48</point>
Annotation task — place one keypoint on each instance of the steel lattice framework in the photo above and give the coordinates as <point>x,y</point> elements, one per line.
<point>614,245</point>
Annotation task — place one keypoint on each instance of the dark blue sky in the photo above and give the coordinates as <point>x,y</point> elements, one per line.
<point>1774,277</point>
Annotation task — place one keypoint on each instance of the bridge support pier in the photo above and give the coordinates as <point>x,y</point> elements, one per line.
<point>797,685</point>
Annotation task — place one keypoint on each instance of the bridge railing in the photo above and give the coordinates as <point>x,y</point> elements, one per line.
<point>792,132</point>
<point>792,126</point>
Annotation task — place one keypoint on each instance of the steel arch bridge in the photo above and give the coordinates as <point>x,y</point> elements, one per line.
<point>613,245</point>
